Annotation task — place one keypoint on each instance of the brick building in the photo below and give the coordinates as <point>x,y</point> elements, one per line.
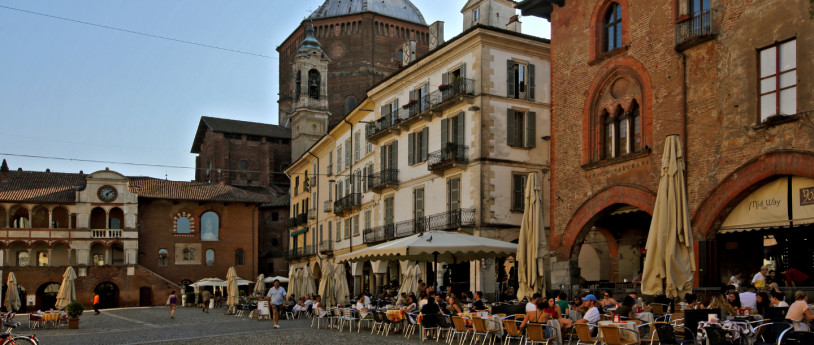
<point>363,40</point>
<point>625,74</point>
<point>251,156</point>
<point>132,239</point>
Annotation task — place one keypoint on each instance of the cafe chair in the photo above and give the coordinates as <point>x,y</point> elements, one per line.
<point>460,329</point>
<point>378,323</point>
<point>365,321</point>
<point>34,321</point>
<point>431,323</point>
<point>318,318</point>
<point>512,332</point>
<point>388,325</point>
<point>767,333</point>
<point>612,335</point>
<point>584,334</point>
<point>347,318</point>
<point>716,335</point>
<point>445,328</point>
<point>667,336</point>
<point>480,330</point>
<point>796,338</point>
<point>535,334</point>
<point>411,325</point>
<point>659,308</point>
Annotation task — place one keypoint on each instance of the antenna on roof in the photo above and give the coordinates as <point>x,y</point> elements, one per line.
<point>165,176</point>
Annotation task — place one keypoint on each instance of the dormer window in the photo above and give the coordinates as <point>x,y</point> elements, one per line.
<point>476,15</point>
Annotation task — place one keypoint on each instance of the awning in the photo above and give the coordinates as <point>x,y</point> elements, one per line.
<point>298,232</point>
<point>782,203</point>
<point>446,246</point>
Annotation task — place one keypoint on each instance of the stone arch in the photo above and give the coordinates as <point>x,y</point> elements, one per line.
<point>607,92</point>
<point>117,253</point>
<point>584,217</point>
<point>60,254</point>
<point>18,254</point>
<point>98,254</point>
<point>19,217</point>
<point>60,218</point>
<point>115,218</point>
<point>716,206</point>
<point>39,217</point>
<point>98,218</point>
<point>39,253</point>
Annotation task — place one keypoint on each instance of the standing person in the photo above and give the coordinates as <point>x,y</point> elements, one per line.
<point>95,303</point>
<point>796,277</point>
<point>736,279</point>
<point>171,302</point>
<point>759,280</point>
<point>277,294</point>
<point>205,296</point>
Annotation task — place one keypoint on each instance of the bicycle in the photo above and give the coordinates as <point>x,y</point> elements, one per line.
<point>6,338</point>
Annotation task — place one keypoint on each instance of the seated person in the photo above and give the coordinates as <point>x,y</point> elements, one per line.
<point>319,308</point>
<point>692,302</point>
<point>553,311</point>
<point>592,315</point>
<point>300,306</point>
<point>478,305</point>
<point>608,301</point>
<point>402,301</point>
<point>626,308</point>
<point>799,312</point>
<point>454,306</point>
<point>778,300</point>
<point>537,316</point>
<point>364,312</point>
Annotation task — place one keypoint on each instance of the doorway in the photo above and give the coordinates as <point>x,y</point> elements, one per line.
<point>145,296</point>
<point>108,295</point>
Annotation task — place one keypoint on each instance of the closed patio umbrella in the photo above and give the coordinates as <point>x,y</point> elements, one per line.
<point>12,295</point>
<point>67,291</point>
<point>293,281</point>
<point>327,284</point>
<point>260,285</point>
<point>307,283</point>
<point>670,261</point>
<point>341,287</point>
<point>411,276</point>
<point>529,274</point>
<point>231,289</point>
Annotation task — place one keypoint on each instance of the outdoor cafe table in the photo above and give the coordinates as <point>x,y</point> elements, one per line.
<point>396,315</point>
<point>492,322</point>
<point>51,318</point>
<point>646,316</point>
<point>624,324</point>
<point>738,332</point>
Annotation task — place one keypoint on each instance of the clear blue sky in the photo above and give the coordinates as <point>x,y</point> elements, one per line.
<point>83,92</point>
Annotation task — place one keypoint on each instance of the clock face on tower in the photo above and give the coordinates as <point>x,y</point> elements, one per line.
<point>107,193</point>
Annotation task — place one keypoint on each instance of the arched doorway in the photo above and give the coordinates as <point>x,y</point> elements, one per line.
<point>145,298</point>
<point>108,295</point>
<point>47,295</point>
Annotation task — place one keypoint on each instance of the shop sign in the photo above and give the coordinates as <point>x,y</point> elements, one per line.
<point>806,196</point>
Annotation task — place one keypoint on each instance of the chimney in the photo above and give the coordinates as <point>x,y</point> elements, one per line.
<point>4,172</point>
<point>436,34</point>
<point>408,53</point>
<point>514,24</point>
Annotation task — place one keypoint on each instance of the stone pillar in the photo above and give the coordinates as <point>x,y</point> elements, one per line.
<point>30,258</point>
<point>108,256</point>
<point>30,221</point>
<point>49,257</point>
<point>357,285</point>
<point>4,257</point>
<point>69,256</point>
<point>379,279</point>
<point>50,224</point>
<point>107,220</point>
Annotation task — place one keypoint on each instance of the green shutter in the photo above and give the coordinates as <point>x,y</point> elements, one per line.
<point>444,132</point>
<point>410,149</point>
<point>510,79</point>
<point>531,129</point>
<point>394,155</point>
<point>425,135</point>
<point>510,139</point>
<point>460,139</point>
<point>531,82</point>
<point>463,70</point>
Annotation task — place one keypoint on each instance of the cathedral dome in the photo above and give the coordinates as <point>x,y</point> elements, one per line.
<point>400,9</point>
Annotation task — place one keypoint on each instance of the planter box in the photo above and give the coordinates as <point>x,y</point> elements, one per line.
<point>73,322</point>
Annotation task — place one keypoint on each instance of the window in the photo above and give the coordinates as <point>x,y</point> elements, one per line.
<point>613,28</point>
<point>162,257</point>
<point>418,204</point>
<point>338,235</point>
<point>238,257</point>
<point>210,225</point>
<point>22,258</point>
<point>210,257</point>
<point>98,259</point>
<point>778,80</point>
<point>338,159</point>
<point>521,128</point>
<point>452,130</point>
<point>520,80</point>
<point>42,258</point>
<point>419,99</point>
<point>454,194</point>
<point>275,216</point>
<point>356,225</point>
<point>699,6</point>
<point>476,15</point>
<point>243,165</point>
<point>518,192</point>
<point>314,83</point>
<point>296,185</point>
<point>389,156</point>
<point>417,146</point>
<point>188,254</point>
<point>298,85</point>
<point>348,152</point>
<point>390,111</point>
<point>388,211</point>
<point>357,139</point>
<point>347,227</point>
<point>330,162</point>
<point>182,225</point>
<point>621,132</point>
<point>367,220</point>
<point>368,147</point>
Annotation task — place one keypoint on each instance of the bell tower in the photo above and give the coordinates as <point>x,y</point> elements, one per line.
<point>309,116</point>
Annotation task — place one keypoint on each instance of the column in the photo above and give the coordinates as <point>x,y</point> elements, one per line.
<point>30,257</point>
<point>69,256</point>
<point>108,256</point>
<point>107,220</point>
<point>49,257</point>
<point>50,222</point>
<point>357,285</point>
<point>30,221</point>
<point>379,278</point>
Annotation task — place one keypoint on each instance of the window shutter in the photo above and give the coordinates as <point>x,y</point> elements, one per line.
<point>410,149</point>
<point>445,78</point>
<point>460,139</point>
<point>531,82</point>
<point>463,70</point>
<point>413,95</point>
<point>383,157</point>
<point>348,152</point>
<point>385,110</point>
<point>510,78</point>
<point>510,139</point>
<point>395,108</point>
<point>531,129</point>
<point>394,156</point>
<point>425,136</point>
<point>357,140</point>
<point>444,130</point>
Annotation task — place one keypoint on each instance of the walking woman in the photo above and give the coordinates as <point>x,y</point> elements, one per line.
<point>171,302</point>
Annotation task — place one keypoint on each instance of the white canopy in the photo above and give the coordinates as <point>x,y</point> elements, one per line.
<point>217,282</point>
<point>447,246</point>
<point>272,279</point>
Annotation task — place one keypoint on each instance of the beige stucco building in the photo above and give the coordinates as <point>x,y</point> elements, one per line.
<point>444,144</point>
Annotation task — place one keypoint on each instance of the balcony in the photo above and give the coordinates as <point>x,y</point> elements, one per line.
<point>387,178</point>
<point>302,218</point>
<point>292,222</point>
<point>702,26</point>
<point>312,213</point>
<point>348,203</point>
<point>328,206</point>
<point>446,96</point>
<point>106,233</point>
<point>326,246</point>
<point>330,170</point>
<point>449,157</point>
<point>300,252</point>
<point>450,220</point>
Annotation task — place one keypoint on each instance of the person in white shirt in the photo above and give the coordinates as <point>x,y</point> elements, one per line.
<point>748,298</point>
<point>759,280</point>
<point>318,308</point>
<point>531,306</point>
<point>592,315</point>
<point>364,312</point>
<point>277,294</point>
<point>735,280</point>
<point>300,306</point>
<point>777,300</point>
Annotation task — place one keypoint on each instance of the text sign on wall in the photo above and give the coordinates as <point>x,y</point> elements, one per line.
<point>806,196</point>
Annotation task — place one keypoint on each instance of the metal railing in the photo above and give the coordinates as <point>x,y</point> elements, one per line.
<point>326,246</point>
<point>301,252</point>
<point>312,213</point>
<point>328,206</point>
<point>700,25</point>
<point>383,179</point>
<point>302,218</point>
<point>435,100</point>
<point>447,156</point>
<point>292,222</point>
<point>347,203</point>
<point>442,221</point>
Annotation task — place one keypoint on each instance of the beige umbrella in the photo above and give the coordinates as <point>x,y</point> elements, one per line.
<point>443,246</point>
<point>307,282</point>
<point>670,262</point>
<point>411,276</point>
<point>12,294</point>
<point>327,285</point>
<point>293,281</point>
<point>231,288</point>
<point>529,275</point>
<point>341,288</point>
<point>260,285</point>
<point>67,291</point>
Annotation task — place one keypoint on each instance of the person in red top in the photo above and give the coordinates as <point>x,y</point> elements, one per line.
<point>796,277</point>
<point>96,303</point>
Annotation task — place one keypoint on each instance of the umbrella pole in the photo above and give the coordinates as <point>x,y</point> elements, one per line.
<point>435,270</point>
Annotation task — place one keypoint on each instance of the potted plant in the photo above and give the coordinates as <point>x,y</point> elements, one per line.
<point>190,299</point>
<point>74,310</point>
<point>444,87</point>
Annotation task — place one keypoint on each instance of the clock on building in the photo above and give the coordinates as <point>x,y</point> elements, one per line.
<point>107,193</point>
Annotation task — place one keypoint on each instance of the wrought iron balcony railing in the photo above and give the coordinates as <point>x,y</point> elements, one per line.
<point>328,206</point>
<point>326,246</point>
<point>300,252</point>
<point>700,26</point>
<point>302,218</point>
<point>442,221</point>
<point>463,217</point>
<point>312,213</point>
<point>347,203</point>
<point>445,93</point>
<point>292,222</point>
<point>387,178</point>
<point>450,155</point>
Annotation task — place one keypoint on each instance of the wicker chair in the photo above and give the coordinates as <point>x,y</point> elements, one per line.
<point>535,333</point>
<point>512,332</point>
<point>480,330</point>
<point>584,334</point>
<point>460,328</point>
<point>612,335</point>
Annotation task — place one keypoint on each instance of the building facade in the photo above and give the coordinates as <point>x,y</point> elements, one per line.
<point>626,74</point>
<point>444,144</point>
<point>131,239</point>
